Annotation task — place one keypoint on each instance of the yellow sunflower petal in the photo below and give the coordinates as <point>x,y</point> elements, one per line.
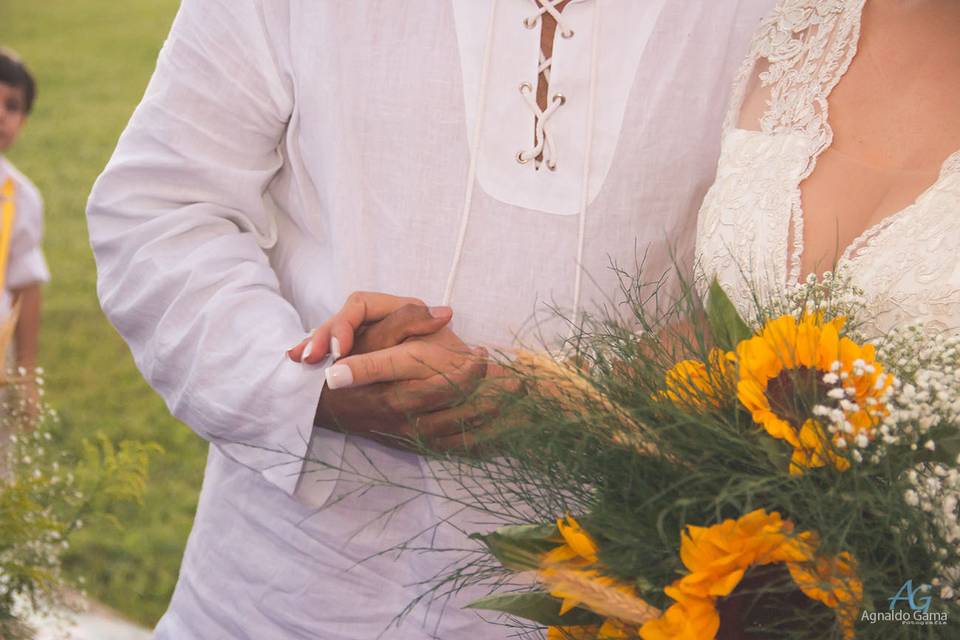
<point>563,554</point>
<point>689,619</point>
<point>568,603</point>
<point>726,584</point>
<point>808,343</point>
<point>723,553</point>
<point>578,539</point>
<point>829,351</point>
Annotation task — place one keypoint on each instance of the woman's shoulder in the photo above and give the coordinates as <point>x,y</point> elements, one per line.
<point>785,31</point>
<point>802,47</point>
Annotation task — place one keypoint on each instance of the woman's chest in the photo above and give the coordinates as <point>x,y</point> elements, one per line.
<point>906,265</point>
<point>909,269</point>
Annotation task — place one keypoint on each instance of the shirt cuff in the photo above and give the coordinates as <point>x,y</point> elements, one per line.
<point>280,457</point>
<point>324,461</point>
<point>27,269</point>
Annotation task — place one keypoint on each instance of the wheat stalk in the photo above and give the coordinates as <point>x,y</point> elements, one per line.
<point>570,387</point>
<point>601,594</point>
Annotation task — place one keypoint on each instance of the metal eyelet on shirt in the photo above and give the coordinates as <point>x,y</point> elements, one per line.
<point>544,149</point>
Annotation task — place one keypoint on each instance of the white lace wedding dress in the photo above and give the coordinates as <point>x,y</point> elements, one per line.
<point>750,228</point>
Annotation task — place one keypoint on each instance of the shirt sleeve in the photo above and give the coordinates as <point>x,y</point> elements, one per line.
<point>26,263</point>
<point>178,223</point>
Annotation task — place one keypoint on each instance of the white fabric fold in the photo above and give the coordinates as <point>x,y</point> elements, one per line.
<point>177,221</point>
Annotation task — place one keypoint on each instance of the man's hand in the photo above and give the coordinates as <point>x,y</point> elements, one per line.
<point>414,379</point>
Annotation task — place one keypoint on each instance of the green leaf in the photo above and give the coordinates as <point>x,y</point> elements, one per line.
<point>538,607</point>
<point>520,547</point>
<point>777,453</point>
<point>726,325</point>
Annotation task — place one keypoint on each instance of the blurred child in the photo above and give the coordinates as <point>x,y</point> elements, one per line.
<point>20,237</point>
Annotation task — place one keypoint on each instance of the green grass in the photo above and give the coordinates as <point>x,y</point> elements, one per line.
<point>92,59</point>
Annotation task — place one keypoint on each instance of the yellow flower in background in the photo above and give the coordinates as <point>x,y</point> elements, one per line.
<point>717,559</point>
<point>699,385</point>
<point>781,374</point>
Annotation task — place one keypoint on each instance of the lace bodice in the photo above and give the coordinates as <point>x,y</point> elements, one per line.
<point>750,228</point>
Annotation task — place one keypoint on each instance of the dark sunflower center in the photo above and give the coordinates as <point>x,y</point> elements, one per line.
<point>793,394</point>
<point>767,604</point>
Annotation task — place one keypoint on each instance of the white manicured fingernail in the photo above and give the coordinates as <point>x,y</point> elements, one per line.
<point>339,376</point>
<point>307,350</point>
<point>335,347</point>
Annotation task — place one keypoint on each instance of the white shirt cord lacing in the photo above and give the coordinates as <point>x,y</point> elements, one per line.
<point>543,141</point>
<point>547,6</point>
<point>544,147</point>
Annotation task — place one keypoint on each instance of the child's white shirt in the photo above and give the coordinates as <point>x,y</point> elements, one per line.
<point>26,264</point>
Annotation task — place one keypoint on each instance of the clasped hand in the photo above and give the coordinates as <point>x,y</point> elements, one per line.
<point>402,376</point>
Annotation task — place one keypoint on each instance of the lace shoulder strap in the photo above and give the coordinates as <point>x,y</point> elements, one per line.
<point>797,57</point>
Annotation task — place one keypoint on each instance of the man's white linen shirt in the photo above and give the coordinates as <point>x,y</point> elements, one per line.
<point>287,153</point>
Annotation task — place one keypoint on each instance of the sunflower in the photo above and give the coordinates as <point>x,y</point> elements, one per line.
<point>698,385</point>
<point>719,557</point>
<point>568,571</point>
<point>792,365</point>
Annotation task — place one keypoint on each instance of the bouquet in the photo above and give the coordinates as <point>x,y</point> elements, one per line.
<point>693,474</point>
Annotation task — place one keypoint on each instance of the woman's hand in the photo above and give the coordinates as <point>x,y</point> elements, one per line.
<point>363,312</point>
